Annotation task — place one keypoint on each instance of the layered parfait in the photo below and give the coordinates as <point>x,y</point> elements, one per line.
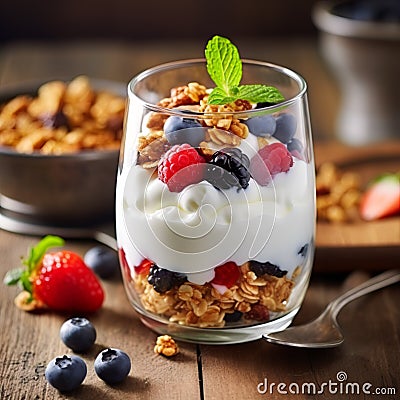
<point>215,208</point>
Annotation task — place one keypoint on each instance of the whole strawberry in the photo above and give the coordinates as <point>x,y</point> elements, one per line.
<point>60,280</point>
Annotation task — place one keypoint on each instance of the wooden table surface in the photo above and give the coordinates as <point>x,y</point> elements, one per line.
<point>371,325</point>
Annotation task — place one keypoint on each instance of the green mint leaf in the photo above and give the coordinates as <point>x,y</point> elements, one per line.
<point>219,96</point>
<point>225,69</point>
<point>13,276</point>
<point>223,63</point>
<point>260,94</point>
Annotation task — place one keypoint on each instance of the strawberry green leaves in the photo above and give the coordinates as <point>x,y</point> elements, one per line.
<point>225,69</point>
<point>23,275</point>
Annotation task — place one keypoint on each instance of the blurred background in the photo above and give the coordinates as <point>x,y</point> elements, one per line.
<point>116,39</point>
<point>144,20</point>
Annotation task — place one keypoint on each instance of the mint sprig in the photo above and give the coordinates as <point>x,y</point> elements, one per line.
<point>225,68</point>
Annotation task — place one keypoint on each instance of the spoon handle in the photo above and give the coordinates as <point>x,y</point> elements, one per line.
<point>377,282</point>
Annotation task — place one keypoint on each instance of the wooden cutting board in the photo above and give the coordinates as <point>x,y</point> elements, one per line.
<point>368,245</point>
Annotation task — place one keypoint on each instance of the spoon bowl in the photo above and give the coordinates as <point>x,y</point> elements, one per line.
<point>324,331</point>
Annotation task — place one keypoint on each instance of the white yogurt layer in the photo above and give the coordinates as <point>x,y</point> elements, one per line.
<point>201,227</point>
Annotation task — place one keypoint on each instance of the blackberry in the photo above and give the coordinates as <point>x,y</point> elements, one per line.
<point>266,268</point>
<point>163,279</point>
<point>228,168</point>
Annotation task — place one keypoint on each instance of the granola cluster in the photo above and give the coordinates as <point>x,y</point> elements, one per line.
<point>338,194</point>
<point>63,118</point>
<point>205,306</point>
<point>222,128</point>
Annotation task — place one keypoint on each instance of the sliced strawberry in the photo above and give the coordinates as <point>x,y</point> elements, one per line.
<point>382,198</point>
<point>60,280</point>
<point>227,274</point>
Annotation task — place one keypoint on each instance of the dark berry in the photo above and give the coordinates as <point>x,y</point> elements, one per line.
<point>57,120</point>
<point>261,126</point>
<point>181,166</point>
<point>66,373</point>
<point>228,168</point>
<point>266,268</point>
<point>112,365</point>
<point>163,279</point>
<point>233,317</point>
<point>303,251</point>
<point>286,126</point>
<point>269,161</point>
<point>78,334</point>
<point>180,130</point>
<point>102,260</point>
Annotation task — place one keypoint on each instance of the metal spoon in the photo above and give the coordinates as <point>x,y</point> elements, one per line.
<point>324,331</point>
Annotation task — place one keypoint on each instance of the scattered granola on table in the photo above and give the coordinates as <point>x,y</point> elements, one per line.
<point>166,346</point>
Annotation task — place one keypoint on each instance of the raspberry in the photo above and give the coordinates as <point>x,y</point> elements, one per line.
<point>181,166</point>
<point>269,161</point>
<point>227,274</point>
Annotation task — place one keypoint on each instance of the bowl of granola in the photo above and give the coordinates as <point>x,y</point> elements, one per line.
<point>59,147</point>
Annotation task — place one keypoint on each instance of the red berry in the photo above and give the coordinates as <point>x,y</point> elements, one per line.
<point>65,283</point>
<point>124,264</point>
<point>258,312</point>
<point>144,267</point>
<point>181,166</point>
<point>227,274</point>
<point>382,198</point>
<point>269,161</point>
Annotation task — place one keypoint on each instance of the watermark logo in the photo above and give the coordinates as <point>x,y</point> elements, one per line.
<point>340,386</point>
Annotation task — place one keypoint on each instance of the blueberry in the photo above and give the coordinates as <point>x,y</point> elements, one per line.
<point>78,334</point>
<point>180,130</point>
<point>112,365</point>
<point>261,126</point>
<point>295,145</point>
<point>103,261</point>
<point>66,373</point>
<point>286,126</point>
<point>233,317</point>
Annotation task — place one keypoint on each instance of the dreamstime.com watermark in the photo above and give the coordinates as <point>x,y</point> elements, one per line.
<point>340,385</point>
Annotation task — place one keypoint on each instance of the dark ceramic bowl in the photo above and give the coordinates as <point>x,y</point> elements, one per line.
<point>74,189</point>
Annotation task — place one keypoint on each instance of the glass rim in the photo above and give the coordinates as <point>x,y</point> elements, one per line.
<point>302,84</point>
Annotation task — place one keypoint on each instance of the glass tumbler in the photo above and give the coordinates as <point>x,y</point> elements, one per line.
<point>215,204</point>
